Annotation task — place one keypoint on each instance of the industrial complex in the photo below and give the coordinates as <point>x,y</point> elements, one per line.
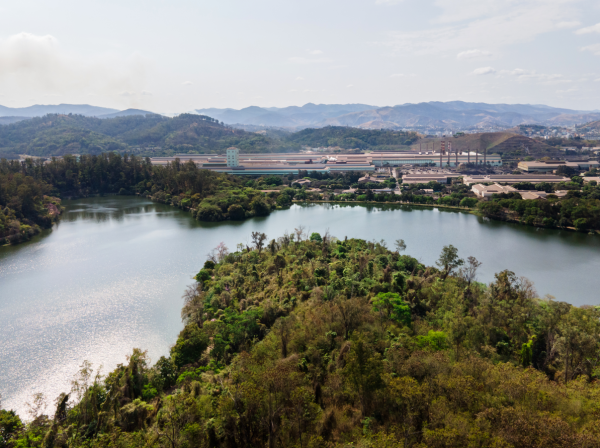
<point>291,163</point>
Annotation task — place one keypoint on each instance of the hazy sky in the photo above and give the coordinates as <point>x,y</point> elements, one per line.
<point>178,55</point>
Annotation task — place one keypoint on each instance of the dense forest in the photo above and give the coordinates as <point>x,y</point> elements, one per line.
<point>55,135</point>
<point>309,341</point>
<point>26,206</point>
<point>346,137</point>
<point>76,134</point>
<point>29,190</point>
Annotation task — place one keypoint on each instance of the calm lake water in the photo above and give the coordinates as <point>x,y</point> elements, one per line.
<point>110,275</point>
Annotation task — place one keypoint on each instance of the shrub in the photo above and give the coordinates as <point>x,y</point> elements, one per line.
<point>191,343</point>
<point>236,212</point>
<point>209,212</point>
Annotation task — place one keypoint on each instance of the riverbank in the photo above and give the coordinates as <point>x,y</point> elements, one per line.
<point>472,211</point>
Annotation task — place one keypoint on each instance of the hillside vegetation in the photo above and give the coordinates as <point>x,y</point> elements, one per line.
<point>507,144</point>
<point>157,135</point>
<point>347,137</point>
<point>76,134</point>
<point>26,206</point>
<point>317,342</point>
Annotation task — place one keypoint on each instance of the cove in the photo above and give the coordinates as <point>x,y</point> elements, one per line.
<point>110,275</point>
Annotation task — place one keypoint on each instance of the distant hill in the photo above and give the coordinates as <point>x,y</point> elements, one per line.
<point>126,113</point>
<point>292,116</point>
<point>592,126</point>
<point>41,110</point>
<point>58,134</point>
<point>435,114</point>
<point>492,142</point>
<point>11,120</point>
<point>152,134</point>
<point>351,138</point>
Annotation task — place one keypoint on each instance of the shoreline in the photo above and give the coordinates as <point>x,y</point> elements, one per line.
<point>451,207</point>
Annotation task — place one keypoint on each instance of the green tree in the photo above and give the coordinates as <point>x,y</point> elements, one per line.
<point>364,370</point>
<point>316,237</point>
<point>449,260</point>
<point>392,305</point>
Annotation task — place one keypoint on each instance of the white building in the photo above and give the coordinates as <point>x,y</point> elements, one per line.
<point>233,157</point>
<point>486,191</point>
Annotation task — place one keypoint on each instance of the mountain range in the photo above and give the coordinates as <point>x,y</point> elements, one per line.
<point>40,110</point>
<point>432,115</point>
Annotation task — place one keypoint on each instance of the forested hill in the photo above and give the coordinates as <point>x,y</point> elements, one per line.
<point>152,135</point>
<point>347,137</point>
<point>314,342</point>
<point>57,134</point>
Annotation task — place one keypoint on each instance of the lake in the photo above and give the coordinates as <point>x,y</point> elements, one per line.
<point>110,275</point>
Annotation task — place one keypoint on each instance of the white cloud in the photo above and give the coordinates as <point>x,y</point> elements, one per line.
<point>595,48</point>
<point>590,29</point>
<point>187,83</point>
<point>315,52</point>
<point>388,2</point>
<point>32,64</point>
<point>571,24</point>
<point>349,86</point>
<point>546,78</point>
<point>299,78</point>
<point>304,61</point>
<point>493,24</point>
<point>473,54</point>
<point>402,75</point>
<point>146,93</point>
<point>484,71</point>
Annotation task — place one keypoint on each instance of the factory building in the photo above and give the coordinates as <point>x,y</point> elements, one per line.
<point>291,163</point>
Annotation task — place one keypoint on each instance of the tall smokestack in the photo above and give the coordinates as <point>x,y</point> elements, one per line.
<point>485,156</point>
<point>449,152</point>
<point>442,151</point>
<point>468,156</point>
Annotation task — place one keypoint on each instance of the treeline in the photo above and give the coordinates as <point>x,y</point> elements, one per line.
<point>25,206</point>
<point>580,208</point>
<point>316,342</point>
<point>208,195</point>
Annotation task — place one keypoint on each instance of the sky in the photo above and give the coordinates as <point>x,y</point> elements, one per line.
<point>178,55</point>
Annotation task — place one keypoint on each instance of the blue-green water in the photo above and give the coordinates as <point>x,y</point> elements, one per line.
<point>110,276</point>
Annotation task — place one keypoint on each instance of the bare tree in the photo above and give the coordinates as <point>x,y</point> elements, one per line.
<point>193,304</point>
<point>400,245</point>
<point>258,239</point>
<point>218,254</point>
<point>299,233</point>
<point>37,407</point>
<point>469,272</point>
